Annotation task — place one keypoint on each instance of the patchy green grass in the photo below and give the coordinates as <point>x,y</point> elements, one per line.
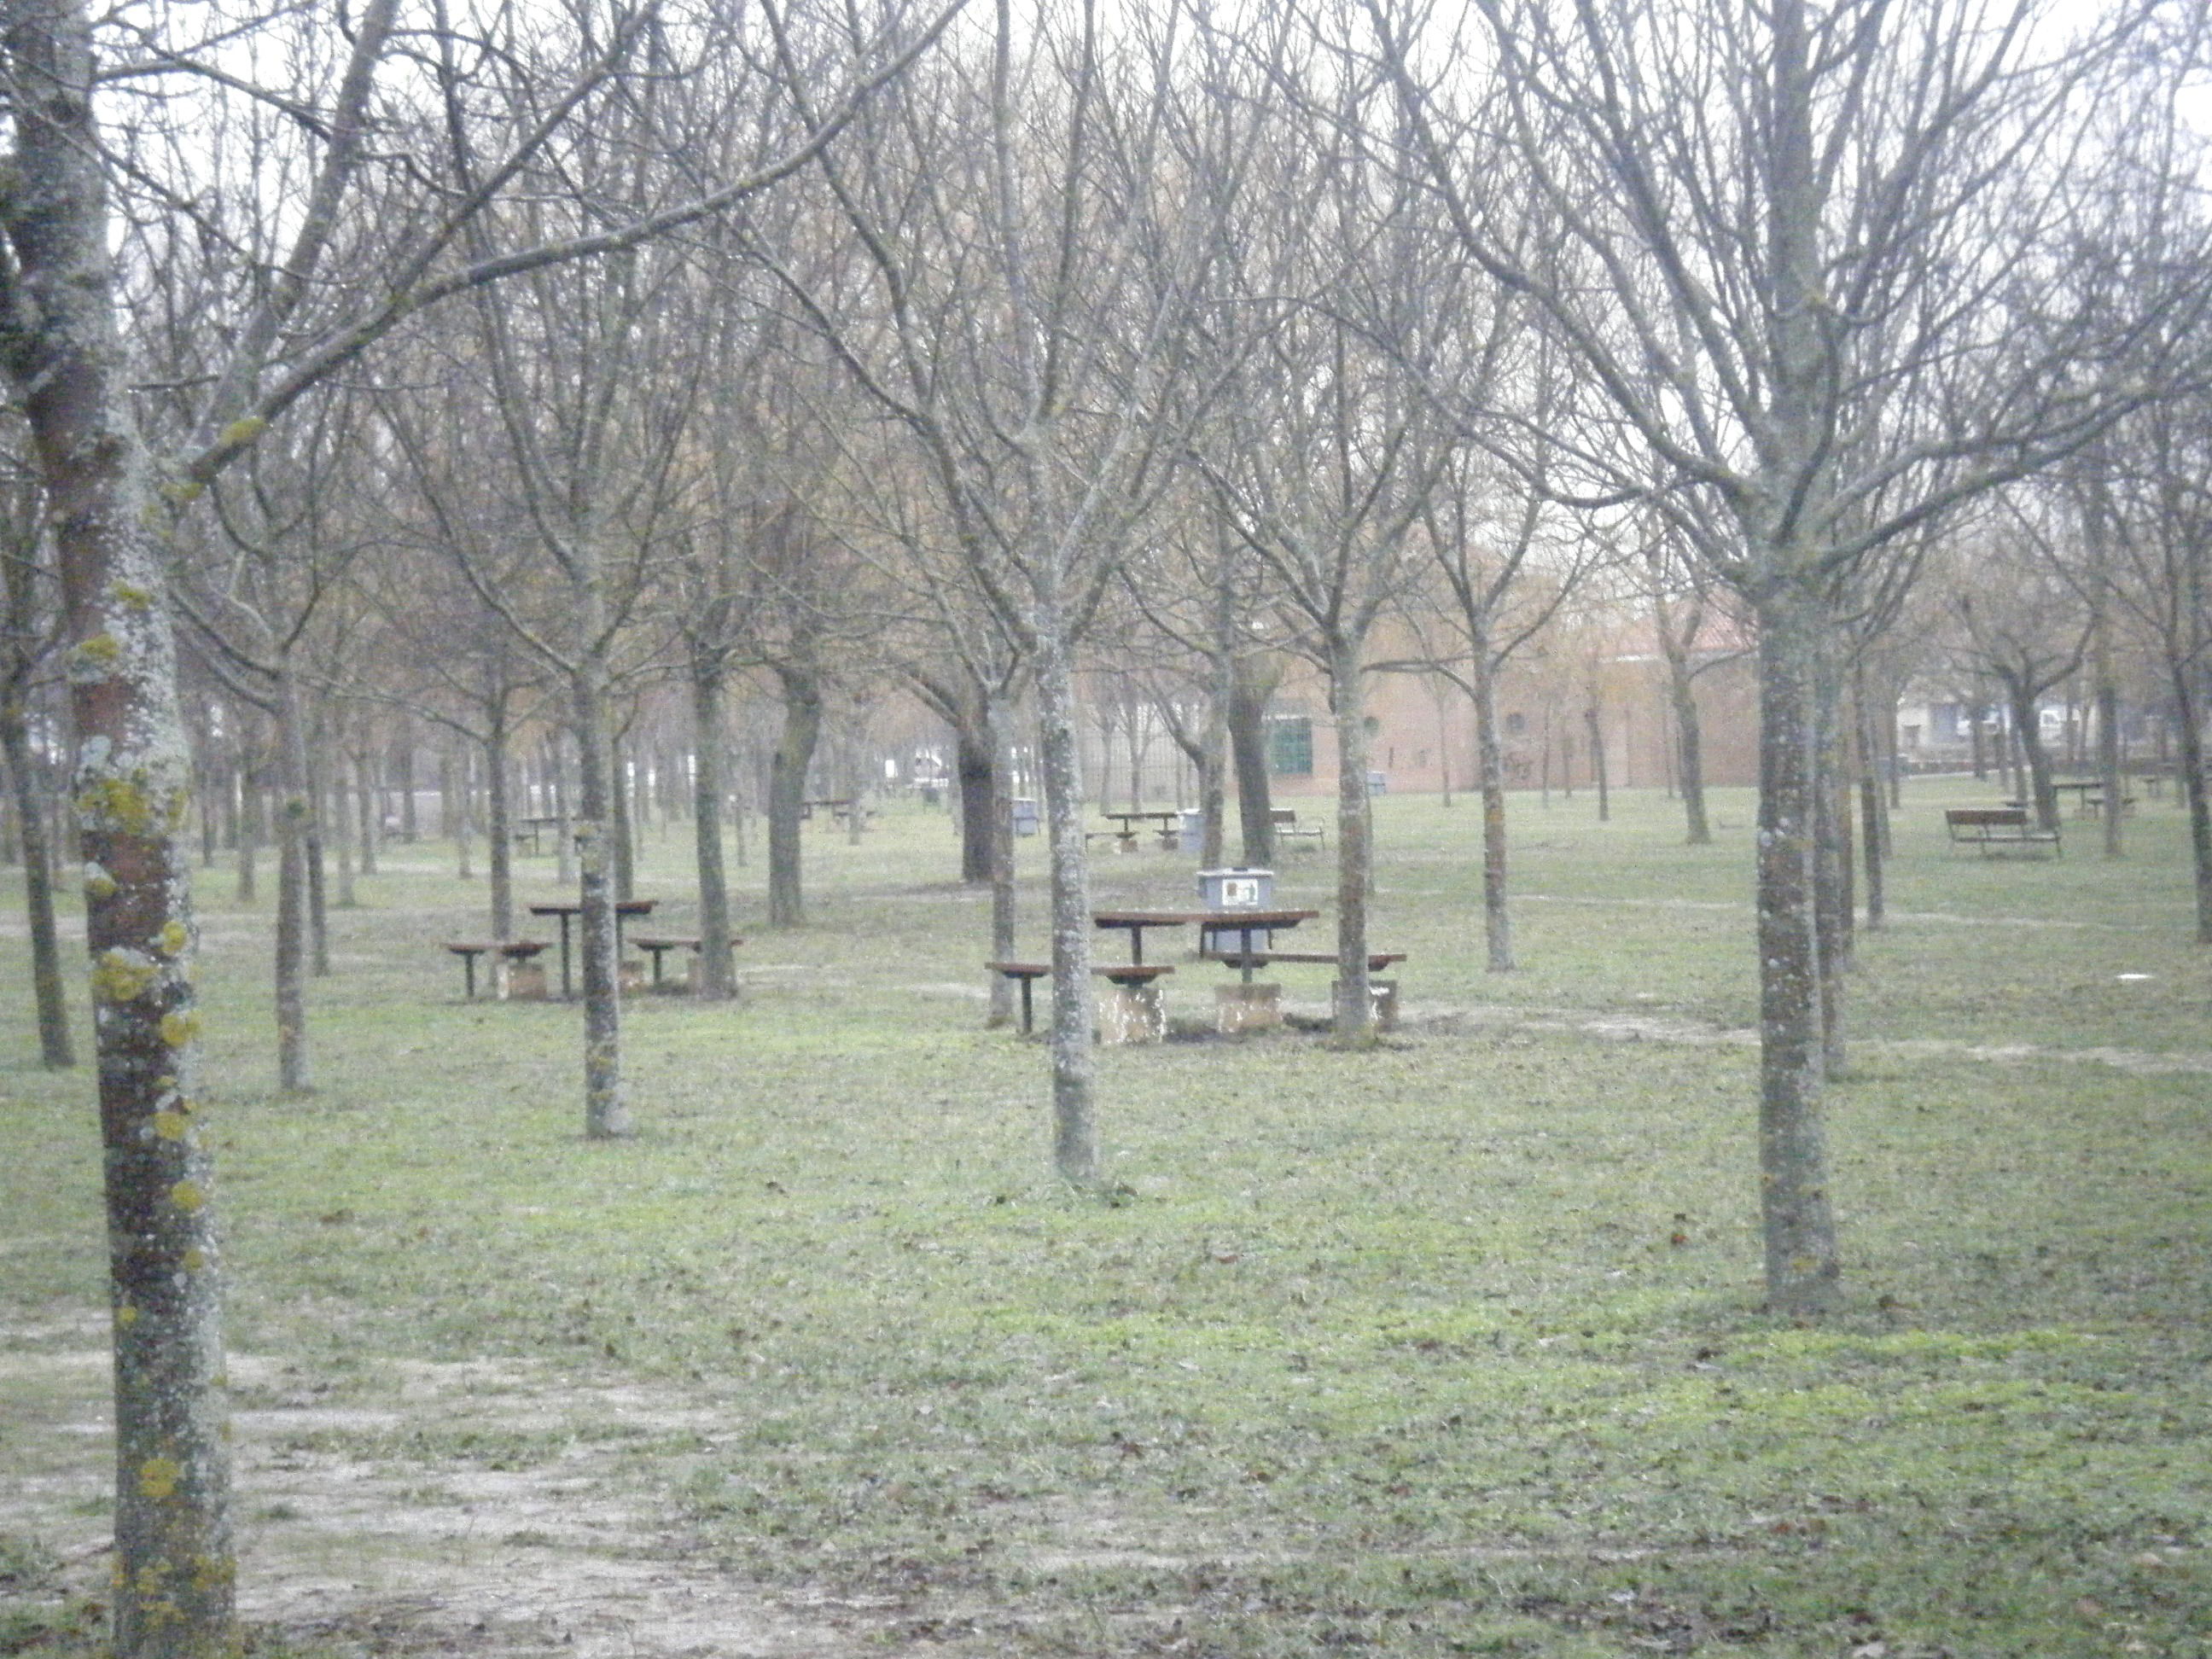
<point>1451,1347</point>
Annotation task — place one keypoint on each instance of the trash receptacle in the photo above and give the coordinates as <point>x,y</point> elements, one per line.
<point>1234,890</point>
<point>1378,783</point>
<point>1025,815</point>
<point>1190,830</point>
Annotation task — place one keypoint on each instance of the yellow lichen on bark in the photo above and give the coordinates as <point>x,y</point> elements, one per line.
<point>123,975</point>
<point>158,1477</point>
<point>116,804</point>
<point>187,1196</point>
<point>178,1030</point>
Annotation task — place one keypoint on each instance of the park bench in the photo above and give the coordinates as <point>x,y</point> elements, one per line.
<point>1376,960</point>
<point>1287,827</point>
<point>1124,976</point>
<point>511,952</point>
<point>660,945</point>
<point>1988,828</point>
<point>1382,992</point>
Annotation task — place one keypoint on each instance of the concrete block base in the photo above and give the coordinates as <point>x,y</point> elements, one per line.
<point>1382,999</point>
<point>1132,1014</point>
<point>1247,1008</point>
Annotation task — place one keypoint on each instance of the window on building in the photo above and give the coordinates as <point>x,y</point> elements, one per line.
<point>1290,746</point>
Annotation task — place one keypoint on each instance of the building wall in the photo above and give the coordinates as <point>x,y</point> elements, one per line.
<point>1421,730</point>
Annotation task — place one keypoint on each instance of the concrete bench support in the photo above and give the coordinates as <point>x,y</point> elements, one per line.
<point>1247,1008</point>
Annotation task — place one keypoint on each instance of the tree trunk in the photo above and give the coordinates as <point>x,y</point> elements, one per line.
<point>174,1571</point>
<point>410,829</point>
<point>1872,852</point>
<point>1250,690</point>
<point>499,823</point>
<point>1594,718</point>
<point>606,1113</point>
<point>1689,747</point>
<point>366,771</point>
<point>1797,1224</point>
<point>786,792</point>
<point>1490,774</point>
<point>2108,744</point>
<point>972,763</point>
<point>996,808</point>
<point>1354,1014</point>
<point>2190,733</point>
<point>1831,862</point>
<point>55,1050</point>
<point>296,810</point>
<point>1074,1121</point>
<point>2034,759</point>
<point>718,979</point>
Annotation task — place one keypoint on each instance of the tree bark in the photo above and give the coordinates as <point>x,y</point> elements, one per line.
<point>296,810</point>
<point>1798,1226</point>
<point>2034,759</point>
<point>1872,852</point>
<point>973,762</point>
<point>174,1572</point>
<point>1250,690</point>
<point>718,979</point>
<point>1074,1119</point>
<point>1354,1014</point>
<point>996,806</point>
<point>786,791</point>
<point>1594,718</point>
<point>2189,733</point>
<point>499,825</point>
<point>606,1111</point>
<point>1490,774</point>
<point>56,1052</point>
<point>1689,743</point>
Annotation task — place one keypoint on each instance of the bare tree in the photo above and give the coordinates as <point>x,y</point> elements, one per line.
<point>1816,257</point>
<point>30,630</point>
<point>999,224</point>
<point>282,330</point>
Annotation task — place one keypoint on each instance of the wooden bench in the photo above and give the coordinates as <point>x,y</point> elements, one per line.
<point>1997,827</point>
<point>660,945</point>
<point>1287,827</point>
<point>512,951</point>
<point>1124,841</point>
<point>1026,974</point>
<point>1376,960</point>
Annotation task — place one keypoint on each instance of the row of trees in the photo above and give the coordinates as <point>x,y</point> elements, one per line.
<point>481,355</point>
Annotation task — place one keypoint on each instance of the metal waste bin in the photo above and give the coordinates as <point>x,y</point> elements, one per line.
<point>1234,890</point>
<point>1025,815</point>
<point>1378,783</point>
<point>1190,830</point>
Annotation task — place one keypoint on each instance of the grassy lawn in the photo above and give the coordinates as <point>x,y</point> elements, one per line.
<point>1452,1348</point>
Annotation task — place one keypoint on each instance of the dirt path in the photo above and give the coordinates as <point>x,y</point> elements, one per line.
<point>346,1542</point>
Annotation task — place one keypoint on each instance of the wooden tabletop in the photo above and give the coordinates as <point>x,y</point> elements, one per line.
<point>1238,920</point>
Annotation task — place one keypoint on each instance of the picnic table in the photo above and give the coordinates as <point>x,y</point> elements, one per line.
<point>564,908</point>
<point>1127,823</point>
<point>512,952</point>
<point>533,829</point>
<point>1244,923</point>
